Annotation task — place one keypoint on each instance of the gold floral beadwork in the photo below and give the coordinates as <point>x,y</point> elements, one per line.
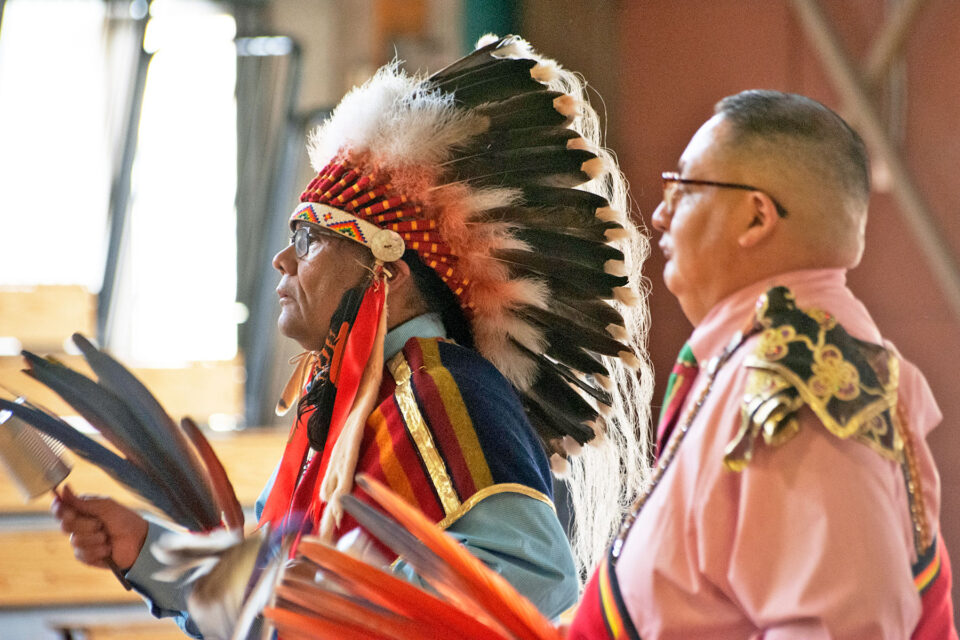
<point>775,342</point>
<point>832,375</point>
<point>825,319</point>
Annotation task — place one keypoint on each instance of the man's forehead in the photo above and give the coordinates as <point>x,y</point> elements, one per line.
<point>706,145</point>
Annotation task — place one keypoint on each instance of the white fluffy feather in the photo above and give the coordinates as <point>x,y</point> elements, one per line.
<point>394,120</point>
<point>480,200</point>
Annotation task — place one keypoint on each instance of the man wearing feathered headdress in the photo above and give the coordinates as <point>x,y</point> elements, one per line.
<point>458,276</point>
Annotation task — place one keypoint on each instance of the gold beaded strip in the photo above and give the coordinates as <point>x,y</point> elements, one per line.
<point>918,514</point>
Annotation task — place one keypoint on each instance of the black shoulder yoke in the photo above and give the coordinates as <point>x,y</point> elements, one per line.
<point>803,357</point>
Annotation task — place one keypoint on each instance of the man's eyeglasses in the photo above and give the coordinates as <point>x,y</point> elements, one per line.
<point>301,239</point>
<point>671,181</point>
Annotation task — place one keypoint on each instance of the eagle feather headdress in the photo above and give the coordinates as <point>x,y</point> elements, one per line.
<point>480,168</point>
<point>492,171</point>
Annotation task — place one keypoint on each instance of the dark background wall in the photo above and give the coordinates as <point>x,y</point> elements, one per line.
<point>661,65</point>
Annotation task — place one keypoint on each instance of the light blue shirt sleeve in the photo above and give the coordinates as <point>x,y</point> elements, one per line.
<point>169,599</point>
<point>520,538</point>
<point>165,599</point>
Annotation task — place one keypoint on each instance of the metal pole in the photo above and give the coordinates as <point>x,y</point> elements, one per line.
<point>919,218</point>
<point>120,189</point>
<point>261,323</point>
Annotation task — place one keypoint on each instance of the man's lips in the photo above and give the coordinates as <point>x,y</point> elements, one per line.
<point>665,249</point>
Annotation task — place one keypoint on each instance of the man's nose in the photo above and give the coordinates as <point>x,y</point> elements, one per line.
<point>661,217</point>
<point>285,261</point>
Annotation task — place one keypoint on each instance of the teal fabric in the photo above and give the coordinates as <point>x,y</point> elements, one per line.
<point>429,325</point>
<point>520,538</point>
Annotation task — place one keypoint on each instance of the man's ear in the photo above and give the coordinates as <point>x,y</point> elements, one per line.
<point>764,219</point>
<point>399,274</point>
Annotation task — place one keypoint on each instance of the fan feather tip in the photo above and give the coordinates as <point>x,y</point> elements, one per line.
<point>609,214</point>
<point>626,296</point>
<point>559,466</point>
<point>630,359</point>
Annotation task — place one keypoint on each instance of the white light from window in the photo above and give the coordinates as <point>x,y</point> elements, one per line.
<point>177,284</point>
<point>54,147</point>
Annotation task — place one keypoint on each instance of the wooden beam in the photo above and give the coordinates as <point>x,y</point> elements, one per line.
<point>43,317</point>
<point>920,220</point>
<point>39,570</point>
<point>248,457</point>
<point>889,42</point>
<point>198,390</point>
<point>164,629</point>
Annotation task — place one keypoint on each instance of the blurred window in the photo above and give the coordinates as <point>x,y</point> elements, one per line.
<point>174,299</point>
<point>54,145</point>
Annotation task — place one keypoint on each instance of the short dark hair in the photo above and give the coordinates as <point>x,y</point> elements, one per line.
<point>802,125</point>
<point>439,299</point>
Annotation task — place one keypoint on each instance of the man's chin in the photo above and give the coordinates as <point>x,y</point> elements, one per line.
<point>670,278</point>
<point>286,325</point>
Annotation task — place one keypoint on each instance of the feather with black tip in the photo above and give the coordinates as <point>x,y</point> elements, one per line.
<point>557,327</point>
<point>585,252</point>
<point>541,136</point>
<point>550,428</point>
<point>595,391</point>
<point>546,196</point>
<point>567,221</point>
<point>565,350</point>
<point>494,80</point>
<point>563,397</point>
<point>571,374</point>
<point>553,166</point>
<point>536,108</point>
<point>478,57</point>
<point>567,279</point>
<point>588,312</point>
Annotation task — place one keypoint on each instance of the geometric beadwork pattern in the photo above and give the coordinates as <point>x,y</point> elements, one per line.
<point>358,200</point>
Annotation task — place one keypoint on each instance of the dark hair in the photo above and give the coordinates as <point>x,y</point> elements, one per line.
<point>439,299</point>
<point>804,128</point>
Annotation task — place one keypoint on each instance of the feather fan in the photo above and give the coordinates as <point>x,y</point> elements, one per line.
<point>172,467</point>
